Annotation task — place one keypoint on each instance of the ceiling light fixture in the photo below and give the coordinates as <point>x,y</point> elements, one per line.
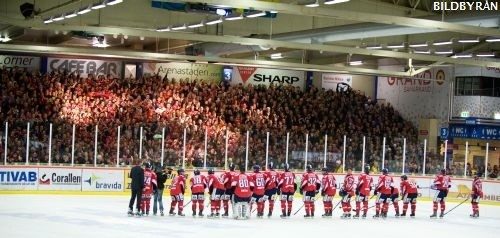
<point>313,4</point>
<point>418,45</point>
<point>85,10</point>
<point>59,18</point>
<point>213,22</point>
<point>493,40</point>
<point>330,2</point>
<point>443,43</point>
<point>485,54</point>
<point>163,29</point>
<point>273,11</point>
<point>113,2</point>
<point>374,47</point>
<point>421,52</point>
<point>396,46</point>
<point>196,25</point>
<point>443,52</point>
<point>71,15</point>
<point>256,14</point>
<point>277,56</point>
<point>99,5</point>
<point>462,56</point>
<point>220,12</point>
<point>469,41</point>
<point>47,21</point>
<point>5,39</point>
<point>181,27</point>
<point>234,17</point>
<point>354,63</point>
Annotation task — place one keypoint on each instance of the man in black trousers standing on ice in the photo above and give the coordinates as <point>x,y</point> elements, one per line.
<point>137,184</point>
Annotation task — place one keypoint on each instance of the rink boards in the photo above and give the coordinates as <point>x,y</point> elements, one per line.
<point>40,179</point>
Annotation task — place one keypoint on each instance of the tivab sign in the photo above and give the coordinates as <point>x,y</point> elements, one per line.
<point>262,76</point>
<point>85,67</point>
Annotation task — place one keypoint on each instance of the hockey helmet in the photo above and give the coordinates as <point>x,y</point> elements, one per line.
<point>210,171</point>
<point>287,167</point>
<point>443,171</point>
<point>309,168</point>
<point>270,165</point>
<point>256,168</point>
<point>232,167</point>
<point>404,177</point>
<point>196,172</point>
<point>367,169</point>
<point>385,171</point>
<point>325,170</point>
<point>479,174</point>
<point>180,171</point>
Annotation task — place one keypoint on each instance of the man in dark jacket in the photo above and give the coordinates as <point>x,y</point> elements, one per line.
<point>137,184</point>
<point>161,176</point>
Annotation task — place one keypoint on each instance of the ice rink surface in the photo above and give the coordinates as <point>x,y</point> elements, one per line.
<point>105,216</point>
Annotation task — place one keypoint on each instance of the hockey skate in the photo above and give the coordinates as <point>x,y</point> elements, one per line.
<point>180,214</point>
<point>270,214</point>
<point>138,214</point>
<point>434,215</point>
<point>363,216</point>
<point>283,215</point>
<point>130,213</point>
<point>412,215</point>
<point>225,215</point>
<point>474,215</point>
<point>376,216</point>
<point>200,214</point>
<point>307,216</point>
<point>441,215</point>
<point>346,216</point>
<point>383,215</point>
<point>194,214</point>
<point>356,216</point>
<point>171,213</point>
<point>397,215</point>
<point>161,213</point>
<point>403,214</point>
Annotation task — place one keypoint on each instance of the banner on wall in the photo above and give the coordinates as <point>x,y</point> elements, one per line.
<point>185,71</point>
<point>170,177</point>
<point>424,96</point>
<point>18,178</point>
<point>102,180</point>
<point>330,81</point>
<point>59,179</point>
<point>84,67</point>
<point>467,71</point>
<point>475,132</point>
<point>262,76</point>
<point>31,63</point>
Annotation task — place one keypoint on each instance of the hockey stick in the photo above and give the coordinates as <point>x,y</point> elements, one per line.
<point>336,205</point>
<point>185,205</point>
<point>300,208</point>
<point>456,206</point>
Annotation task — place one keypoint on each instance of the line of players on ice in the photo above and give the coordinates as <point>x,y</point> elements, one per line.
<point>246,190</point>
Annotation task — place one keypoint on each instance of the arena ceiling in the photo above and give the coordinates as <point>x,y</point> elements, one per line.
<point>324,38</point>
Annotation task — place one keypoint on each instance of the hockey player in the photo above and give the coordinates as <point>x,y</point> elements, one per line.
<point>198,186</point>
<point>309,188</point>
<point>177,190</point>
<point>287,188</point>
<point>409,194</point>
<point>442,183</point>
<point>384,187</point>
<point>476,194</point>
<point>271,187</point>
<point>242,185</point>
<point>363,191</point>
<point>395,200</point>
<point>216,191</point>
<point>346,192</point>
<point>258,191</point>
<point>150,185</point>
<point>228,193</point>
<point>328,190</point>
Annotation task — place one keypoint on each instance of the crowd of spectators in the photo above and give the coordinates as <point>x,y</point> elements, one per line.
<point>156,104</point>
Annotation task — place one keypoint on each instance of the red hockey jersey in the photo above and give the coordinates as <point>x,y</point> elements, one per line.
<point>149,180</point>
<point>364,184</point>
<point>177,186</point>
<point>271,179</point>
<point>286,182</point>
<point>260,183</point>
<point>408,187</point>
<point>243,185</point>
<point>198,184</point>
<point>310,181</point>
<point>348,185</point>
<point>384,184</point>
<point>214,182</point>
<point>328,184</point>
<point>442,182</point>
<point>477,187</point>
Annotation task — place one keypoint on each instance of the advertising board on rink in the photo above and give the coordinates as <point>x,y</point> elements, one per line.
<point>181,71</point>
<point>59,179</point>
<point>18,178</point>
<point>330,80</point>
<point>102,180</point>
<point>84,67</point>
